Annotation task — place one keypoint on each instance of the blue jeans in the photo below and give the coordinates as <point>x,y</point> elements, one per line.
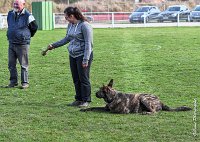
<point>80,77</point>
<point>19,52</point>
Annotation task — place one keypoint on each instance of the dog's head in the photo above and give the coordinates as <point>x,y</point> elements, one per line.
<point>106,92</point>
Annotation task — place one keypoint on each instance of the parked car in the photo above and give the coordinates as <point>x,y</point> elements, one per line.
<point>144,12</point>
<point>195,14</point>
<point>171,13</point>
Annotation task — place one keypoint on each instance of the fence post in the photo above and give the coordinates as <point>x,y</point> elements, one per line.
<point>1,22</point>
<point>188,18</point>
<point>145,20</point>
<point>54,20</point>
<point>113,20</point>
<point>178,19</point>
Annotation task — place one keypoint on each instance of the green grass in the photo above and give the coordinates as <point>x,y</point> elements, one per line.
<point>161,61</point>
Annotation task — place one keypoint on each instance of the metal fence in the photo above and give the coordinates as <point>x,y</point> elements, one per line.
<point>120,19</point>
<point>109,20</point>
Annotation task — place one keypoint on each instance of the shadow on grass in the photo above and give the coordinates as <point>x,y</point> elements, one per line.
<point>3,86</point>
<point>6,87</point>
<point>95,109</point>
<point>37,105</point>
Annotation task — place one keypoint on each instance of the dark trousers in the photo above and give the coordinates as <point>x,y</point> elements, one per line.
<point>19,52</point>
<point>80,77</point>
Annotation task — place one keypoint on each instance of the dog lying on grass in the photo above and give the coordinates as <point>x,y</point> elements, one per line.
<point>131,103</point>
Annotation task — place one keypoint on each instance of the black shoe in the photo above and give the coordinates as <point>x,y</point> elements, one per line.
<point>75,103</point>
<point>24,86</point>
<point>11,85</point>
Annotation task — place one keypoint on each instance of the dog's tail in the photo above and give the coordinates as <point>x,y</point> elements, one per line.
<point>182,108</point>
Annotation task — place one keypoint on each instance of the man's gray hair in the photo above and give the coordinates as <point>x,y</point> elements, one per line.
<point>21,1</point>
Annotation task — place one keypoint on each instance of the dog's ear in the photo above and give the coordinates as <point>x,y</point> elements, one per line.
<point>110,84</point>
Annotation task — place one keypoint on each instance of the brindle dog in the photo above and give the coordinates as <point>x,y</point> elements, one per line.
<point>132,103</point>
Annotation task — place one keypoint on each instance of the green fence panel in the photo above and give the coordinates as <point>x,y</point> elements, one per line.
<point>43,13</point>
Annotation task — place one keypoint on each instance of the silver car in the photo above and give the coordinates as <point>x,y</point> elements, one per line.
<point>144,12</point>
<point>195,14</point>
<point>172,12</point>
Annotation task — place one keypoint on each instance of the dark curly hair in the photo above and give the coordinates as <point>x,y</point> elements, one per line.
<point>76,12</point>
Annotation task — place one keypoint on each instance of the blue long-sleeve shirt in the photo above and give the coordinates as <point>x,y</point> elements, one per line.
<point>80,39</point>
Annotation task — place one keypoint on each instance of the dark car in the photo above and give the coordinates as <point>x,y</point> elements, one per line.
<point>171,13</point>
<point>144,12</point>
<point>195,14</point>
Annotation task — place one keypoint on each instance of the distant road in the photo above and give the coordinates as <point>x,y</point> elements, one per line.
<point>101,25</point>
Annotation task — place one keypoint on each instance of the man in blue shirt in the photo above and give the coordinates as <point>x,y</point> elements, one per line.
<point>21,27</point>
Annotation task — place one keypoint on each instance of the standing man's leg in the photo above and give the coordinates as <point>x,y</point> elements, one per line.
<point>12,61</point>
<point>22,54</point>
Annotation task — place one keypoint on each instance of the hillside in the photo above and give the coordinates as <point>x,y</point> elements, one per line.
<point>100,5</point>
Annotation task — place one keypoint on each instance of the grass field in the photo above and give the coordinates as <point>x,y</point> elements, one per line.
<point>161,61</point>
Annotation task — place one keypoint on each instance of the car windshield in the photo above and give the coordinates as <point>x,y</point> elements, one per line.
<point>142,9</point>
<point>197,8</point>
<point>173,9</point>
